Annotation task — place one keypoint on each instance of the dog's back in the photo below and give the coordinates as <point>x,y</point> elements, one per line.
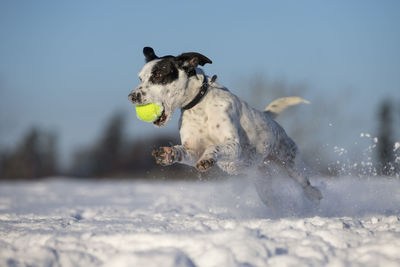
<point>221,112</point>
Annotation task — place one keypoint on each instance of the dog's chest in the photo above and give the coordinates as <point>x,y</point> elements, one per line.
<point>194,130</point>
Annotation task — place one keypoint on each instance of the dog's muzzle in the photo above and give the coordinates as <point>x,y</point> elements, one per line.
<point>135,97</point>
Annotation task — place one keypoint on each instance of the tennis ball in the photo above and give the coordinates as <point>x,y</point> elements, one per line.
<point>148,112</point>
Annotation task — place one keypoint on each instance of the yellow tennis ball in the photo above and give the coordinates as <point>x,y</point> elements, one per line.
<point>148,112</point>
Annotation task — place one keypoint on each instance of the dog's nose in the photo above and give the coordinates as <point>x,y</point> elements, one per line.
<point>135,97</point>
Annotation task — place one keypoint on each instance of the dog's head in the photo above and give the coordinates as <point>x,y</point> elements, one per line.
<point>164,80</point>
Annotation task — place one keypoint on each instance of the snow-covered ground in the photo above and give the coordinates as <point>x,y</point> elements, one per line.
<point>65,222</point>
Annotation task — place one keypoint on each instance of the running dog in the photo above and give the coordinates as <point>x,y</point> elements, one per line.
<point>216,127</point>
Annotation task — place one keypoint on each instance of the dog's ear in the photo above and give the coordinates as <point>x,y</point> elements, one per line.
<point>192,60</point>
<point>149,54</point>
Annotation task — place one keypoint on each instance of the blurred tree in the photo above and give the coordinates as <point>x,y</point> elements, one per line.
<point>385,139</point>
<point>107,153</point>
<point>103,158</point>
<point>34,157</point>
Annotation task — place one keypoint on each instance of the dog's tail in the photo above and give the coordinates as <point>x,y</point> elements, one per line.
<point>280,104</point>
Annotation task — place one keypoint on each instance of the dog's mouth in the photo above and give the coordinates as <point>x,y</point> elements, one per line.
<point>161,121</point>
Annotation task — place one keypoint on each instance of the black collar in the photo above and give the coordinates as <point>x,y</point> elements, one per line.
<point>203,91</point>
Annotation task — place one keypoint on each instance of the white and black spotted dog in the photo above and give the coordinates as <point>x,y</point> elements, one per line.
<point>216,127</point>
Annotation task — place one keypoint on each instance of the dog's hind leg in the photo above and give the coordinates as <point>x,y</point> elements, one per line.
<point>289,158</point>
<point>300,172</point>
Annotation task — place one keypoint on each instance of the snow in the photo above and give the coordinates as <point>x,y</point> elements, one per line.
<point>396,146</point>
<point>66,222</point>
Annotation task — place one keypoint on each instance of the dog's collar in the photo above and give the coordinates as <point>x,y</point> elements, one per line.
<point>203,91</point>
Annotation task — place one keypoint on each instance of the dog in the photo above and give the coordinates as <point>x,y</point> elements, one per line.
<point>216,127</point>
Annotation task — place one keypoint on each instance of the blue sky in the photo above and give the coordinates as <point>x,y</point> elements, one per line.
<point>68,65</point>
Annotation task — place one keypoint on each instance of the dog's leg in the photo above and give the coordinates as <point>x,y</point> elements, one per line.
<point>170,155</point>
<point>300,172</point>
<point>289,158</point>
<point>228,151</point>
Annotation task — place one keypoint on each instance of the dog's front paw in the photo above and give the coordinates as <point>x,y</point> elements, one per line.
<point>164,155</point>
<point>204,164</point>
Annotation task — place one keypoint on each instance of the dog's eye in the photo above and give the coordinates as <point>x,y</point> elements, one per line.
<point>157,75</point>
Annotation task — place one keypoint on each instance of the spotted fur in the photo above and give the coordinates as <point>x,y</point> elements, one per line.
<point>221,129</point>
